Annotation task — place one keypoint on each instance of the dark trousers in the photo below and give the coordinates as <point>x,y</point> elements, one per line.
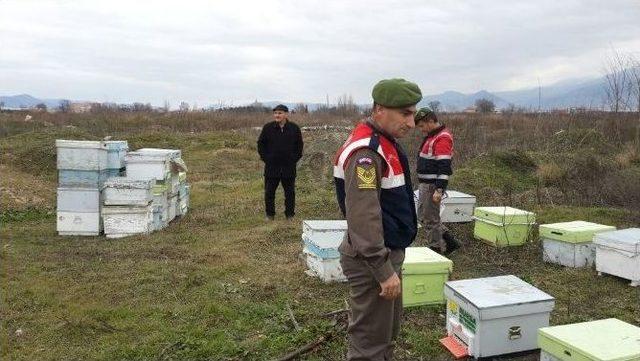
<point>289,186</point>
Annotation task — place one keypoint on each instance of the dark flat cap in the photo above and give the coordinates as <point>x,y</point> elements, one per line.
<point>281,107</point>
<point>396,93</point>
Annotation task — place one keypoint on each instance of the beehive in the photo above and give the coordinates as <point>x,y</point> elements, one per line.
<point>495,315</point>
<point>321,239</point>
<point>570,243</point>
<point>601,340</point>
<point>424,273</point>
<point>618,254</point>
<point>503,226</point>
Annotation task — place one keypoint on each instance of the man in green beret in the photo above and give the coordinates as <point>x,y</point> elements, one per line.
<point>373,186</point>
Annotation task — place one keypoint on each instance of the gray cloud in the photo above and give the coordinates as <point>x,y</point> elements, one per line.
<point>210,51</point>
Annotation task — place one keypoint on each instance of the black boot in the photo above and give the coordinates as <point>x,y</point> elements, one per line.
<point>452,243</point>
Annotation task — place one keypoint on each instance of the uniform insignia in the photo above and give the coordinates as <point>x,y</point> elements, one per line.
<point>365,160</point>
<point>366,177</point>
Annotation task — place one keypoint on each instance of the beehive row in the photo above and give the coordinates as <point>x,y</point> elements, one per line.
<point>501,315</point>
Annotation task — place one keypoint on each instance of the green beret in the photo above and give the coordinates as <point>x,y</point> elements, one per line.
<point>423,113</point>
<point>396,93</point>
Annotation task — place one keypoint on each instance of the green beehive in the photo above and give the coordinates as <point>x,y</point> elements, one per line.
<point>573,232</point>
<point>503,226</point>
<point>602,340</point>
<point>424,273</point>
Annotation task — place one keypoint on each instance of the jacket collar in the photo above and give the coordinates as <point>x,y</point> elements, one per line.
<point>436,131</point>
<point>276,125</point>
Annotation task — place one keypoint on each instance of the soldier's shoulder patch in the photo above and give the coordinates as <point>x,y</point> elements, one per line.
<point>366,176</point>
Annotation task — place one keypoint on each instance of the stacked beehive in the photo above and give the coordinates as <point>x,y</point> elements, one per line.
<point>127,207</point>
<point>320,247</point>
<point>83,167</point>
<point>169,192</point>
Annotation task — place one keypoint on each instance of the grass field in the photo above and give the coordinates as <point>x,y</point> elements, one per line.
<point>215,285</point>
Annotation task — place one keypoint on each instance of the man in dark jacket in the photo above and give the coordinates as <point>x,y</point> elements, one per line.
<point>280,148</point>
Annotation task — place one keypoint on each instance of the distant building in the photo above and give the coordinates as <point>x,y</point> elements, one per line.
<point>471,109</point>
<point>83,107</point>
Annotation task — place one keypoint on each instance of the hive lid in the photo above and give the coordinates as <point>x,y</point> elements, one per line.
<point>452,197</point>
<point>497,291</point>
<point>423,260</point>
<point>325,225</point>
<point>128,183</point>
<point>573,232</point>
<point>458,198</point>
<point>172,153</point>
<point>505,215</point>
<point>127,209</point>
<point>135,157</point>
<point>627,240</point>
<point>605,340</point>
<point>82,144</point>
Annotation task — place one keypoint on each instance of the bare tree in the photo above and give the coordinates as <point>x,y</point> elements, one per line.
<point>485,105</point>
<point>634,75</point>
<point>434,105</point>
<point>617,79</point>
<point>64,106</point>
<point>634,80</point>
<point>184,107</point>
<point>1,105</point>
<point>301,108</point>
<point>346,105</point>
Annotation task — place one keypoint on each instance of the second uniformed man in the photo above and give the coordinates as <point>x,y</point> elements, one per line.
<point>373,185</point>
<point>434,170</point>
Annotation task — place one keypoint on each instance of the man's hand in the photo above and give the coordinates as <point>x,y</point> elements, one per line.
<point>437,196</point>
<point>391,288</point>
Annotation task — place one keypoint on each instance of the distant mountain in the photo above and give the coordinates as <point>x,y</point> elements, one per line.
<point>585,92</point>
<point>23,101</point>
<point>452,100</point>
<point>588,93</point>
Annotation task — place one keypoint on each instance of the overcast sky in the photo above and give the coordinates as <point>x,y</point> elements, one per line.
<point>237,51</point>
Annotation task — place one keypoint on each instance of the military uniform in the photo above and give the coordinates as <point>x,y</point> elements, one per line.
<point>373,185</point>
<point>434,170</point>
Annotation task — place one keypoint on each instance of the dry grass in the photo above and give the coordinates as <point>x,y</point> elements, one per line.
<point>215,284</point>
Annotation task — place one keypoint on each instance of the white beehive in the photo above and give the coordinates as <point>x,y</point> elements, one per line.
<point>570,243</point>
<point>78,223</point>
<point>456,207</point>
<point>81,200</point>
<point>81,154</point>
<point>495,315</point>
<point>146,166</point>
<point>618,254</point>
<point>123,221</point>
<point>324,233</point>
<point>122,191</point>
